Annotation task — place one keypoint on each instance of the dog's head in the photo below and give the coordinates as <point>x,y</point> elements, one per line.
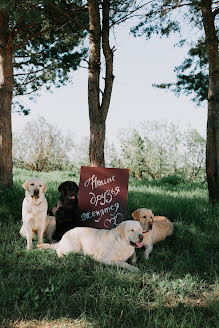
<point>145,217</point>
<point>68,189</point>
<point>132,232</point>
<point>35,187</point>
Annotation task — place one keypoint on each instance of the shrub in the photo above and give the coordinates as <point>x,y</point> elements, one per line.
<point>41,147</point>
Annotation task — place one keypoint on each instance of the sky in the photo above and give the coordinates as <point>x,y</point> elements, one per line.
<point>138,63</point>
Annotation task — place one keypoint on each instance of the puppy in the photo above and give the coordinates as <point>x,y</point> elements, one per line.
<point>66,210</point>
<point>155,228</point>
<point>113,247</point>
<point>34,212</point>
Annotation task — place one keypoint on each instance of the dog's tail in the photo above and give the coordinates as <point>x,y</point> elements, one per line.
<point>48,246</point>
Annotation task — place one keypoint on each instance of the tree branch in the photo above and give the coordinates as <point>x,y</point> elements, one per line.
<point>30,37</point>
<point>64,13</point>
<point>216,12</point>
<point>108,55</point>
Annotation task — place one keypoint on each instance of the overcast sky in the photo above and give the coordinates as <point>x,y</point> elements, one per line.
<point>138,63</point>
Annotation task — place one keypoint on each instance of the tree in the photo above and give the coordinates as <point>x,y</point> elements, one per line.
<point>134,154</point>
<point>194,147</point>
<point>98,108</point>
<point>6,86</point>
<point>157,149</point>
<point>212,149</point>
<point>35,50</point>
<point>192,75</point>
<point>42,147</point>
<point>103,15</point>
<point>201,14</point>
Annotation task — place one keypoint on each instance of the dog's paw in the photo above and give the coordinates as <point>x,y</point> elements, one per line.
<point>133,268</point>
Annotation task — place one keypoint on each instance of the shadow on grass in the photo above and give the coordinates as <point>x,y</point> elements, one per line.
<point>39,286</point>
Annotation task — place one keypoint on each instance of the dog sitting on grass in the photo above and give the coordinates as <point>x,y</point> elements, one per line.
<point>66,210</point>
<point>34,213</point>
<point>155,228</point>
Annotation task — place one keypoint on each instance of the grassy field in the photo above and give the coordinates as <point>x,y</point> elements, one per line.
<point>177,286</point>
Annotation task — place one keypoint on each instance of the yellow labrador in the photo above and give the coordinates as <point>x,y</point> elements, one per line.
<point>155,228</point>
<point>34,212</point>
<point>113,247</point>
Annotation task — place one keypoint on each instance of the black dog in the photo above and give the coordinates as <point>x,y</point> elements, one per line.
<point>66,211</point>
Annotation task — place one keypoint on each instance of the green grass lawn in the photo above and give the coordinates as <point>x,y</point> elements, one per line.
<point>177,286</point>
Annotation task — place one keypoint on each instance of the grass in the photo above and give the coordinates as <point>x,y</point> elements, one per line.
<point>177,286</point>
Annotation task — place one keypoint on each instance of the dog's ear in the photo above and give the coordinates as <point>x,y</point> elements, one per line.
<point>120,229</point>
<point>135,214</point>
<point>25,184</point>
<point>60,187</point>
<point>44,188</point>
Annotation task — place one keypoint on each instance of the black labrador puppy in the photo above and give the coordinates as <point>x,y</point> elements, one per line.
<point>66,211</point>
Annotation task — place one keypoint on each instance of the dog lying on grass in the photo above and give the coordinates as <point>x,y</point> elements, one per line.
<point>66,210</point>
<point>34,212</point>
<point>112,247</point>
<point>155,228</point>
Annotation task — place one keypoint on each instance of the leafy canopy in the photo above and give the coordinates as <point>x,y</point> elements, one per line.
<point>47,42</point>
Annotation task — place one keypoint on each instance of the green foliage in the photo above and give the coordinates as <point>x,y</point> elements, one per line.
<point>157,150</point>
<point>173,180</point>
<point>177,286</point>
<point>192,75</point>
<point>134,152</point>
<point>41,147</point>
<point>47,44</point>
<point>165,17</point>
<point>153,150</point>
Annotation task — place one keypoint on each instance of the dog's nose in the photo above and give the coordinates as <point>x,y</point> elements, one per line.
<point>36,192</point>
<point>141,237</point>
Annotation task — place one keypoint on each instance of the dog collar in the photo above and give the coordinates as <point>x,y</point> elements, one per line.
<point>146,231</point>
<point>36,204</point>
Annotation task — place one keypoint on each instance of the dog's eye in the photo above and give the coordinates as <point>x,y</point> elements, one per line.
<point>32,184</point>
<point>144,216</point>
<point>40,185</point>
<point>132,230</point>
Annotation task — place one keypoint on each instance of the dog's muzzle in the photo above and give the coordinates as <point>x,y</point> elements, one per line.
<point>138,244</point>
<point>36,193</point>
<point>141,238</point>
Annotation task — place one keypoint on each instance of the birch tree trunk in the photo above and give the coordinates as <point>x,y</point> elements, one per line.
<point>6,85</point>
<point>212,147</point>
<point>98,106</point>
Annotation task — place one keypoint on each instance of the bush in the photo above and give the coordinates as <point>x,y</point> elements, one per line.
<point>155,150</point>
<point>173,180</point>
<point>41,147</point>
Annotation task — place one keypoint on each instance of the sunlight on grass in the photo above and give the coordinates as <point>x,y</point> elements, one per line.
<point>60,323</point>
<point>177,286</point>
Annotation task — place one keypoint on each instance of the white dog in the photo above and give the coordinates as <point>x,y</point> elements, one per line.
<point>34,213</point>
<point>155,228</point>
<point>113,247</point>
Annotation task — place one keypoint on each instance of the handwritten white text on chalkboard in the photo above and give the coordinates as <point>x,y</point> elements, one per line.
<point>104,198</point>
<point>95,183</point>
<point>112,210</point>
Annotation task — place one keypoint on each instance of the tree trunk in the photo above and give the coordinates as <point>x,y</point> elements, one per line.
<point>6,85</point>
<point>97,138</point>
<point>212,148</point>
<point>98,109</point>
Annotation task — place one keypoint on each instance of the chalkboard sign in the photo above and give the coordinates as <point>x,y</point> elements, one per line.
<point>103,196</point>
